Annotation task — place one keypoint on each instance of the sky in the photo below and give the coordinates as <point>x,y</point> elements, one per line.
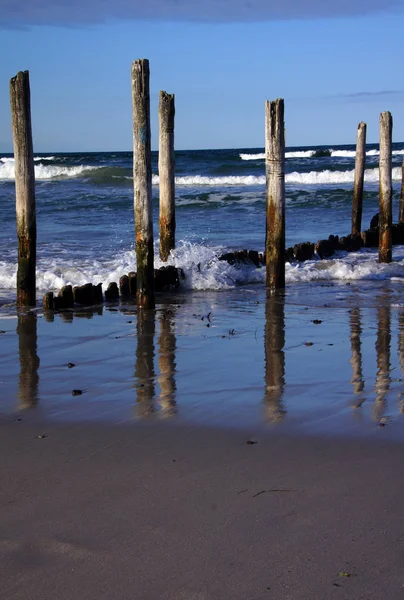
<point>334,63</point>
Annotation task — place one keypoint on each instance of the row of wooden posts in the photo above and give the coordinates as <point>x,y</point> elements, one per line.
<point>142,182</point>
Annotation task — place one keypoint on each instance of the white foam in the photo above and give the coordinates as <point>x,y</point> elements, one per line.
<point>44,171</point>
<point>296,154</point>
<point>351,153</point>
<point>332,177</point>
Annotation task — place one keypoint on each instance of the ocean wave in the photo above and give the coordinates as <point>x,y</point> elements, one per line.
<point>297,154</point>
<point>352,153</point>
<point>43,172</point>
<point>204,271</point>
<point>332,177</point>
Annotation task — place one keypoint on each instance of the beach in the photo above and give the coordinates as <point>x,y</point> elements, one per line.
<point>231,443</point>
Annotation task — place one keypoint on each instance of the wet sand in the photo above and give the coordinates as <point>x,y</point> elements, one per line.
<point>144,486</point>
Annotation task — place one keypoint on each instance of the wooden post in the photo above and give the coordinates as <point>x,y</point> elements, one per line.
<point>358,181</point>
<point>166,174</point>
<point>275,194</point>
<point>401,205</point>
<point>20,99</point>
<point>142,182</point>
<point>385,189</point>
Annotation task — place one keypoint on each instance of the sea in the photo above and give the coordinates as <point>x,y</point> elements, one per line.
<point>85,217</point>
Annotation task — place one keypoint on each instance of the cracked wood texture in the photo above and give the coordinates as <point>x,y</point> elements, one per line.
<point>385,188</point>
<point>142,183</point>
<point>20,100</point>
<point>358,181</point>
<point>275,194</point>
<point>166,174</point>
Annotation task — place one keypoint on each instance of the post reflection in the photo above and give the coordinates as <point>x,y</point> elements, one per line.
<point>274,342</point>
<point>167,365</point>
<point>383,342</point>
<point>29,360</point>
<point>357,380</point>
<point>400,347</point>
<point>144,367</point>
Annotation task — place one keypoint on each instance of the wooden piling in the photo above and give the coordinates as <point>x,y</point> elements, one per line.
<point>20,100</point>
<point>385,189</point>
<point>358,180</point>
<point>142,182</point>
<point>401,204</point>
<point>275,194</point>
<point>166,174</point>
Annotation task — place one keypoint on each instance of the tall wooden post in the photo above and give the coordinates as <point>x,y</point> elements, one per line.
<point>401,205</point>
<point>20,99</point>
<point>358,181</point>
<point>142,183</point>
<point>166,174</point>
<point>385,189</point>
<point>275,194</point>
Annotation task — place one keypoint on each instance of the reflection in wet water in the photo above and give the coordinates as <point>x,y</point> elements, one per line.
<point>383,342</point>
<point>400,349</point>
<point>274,342</point>
<point>29,360</point>
<point>144,368</point>
<point>167,364</point>
<point>356,356</point>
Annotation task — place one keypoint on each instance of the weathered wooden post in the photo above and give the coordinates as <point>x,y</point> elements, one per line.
<point>142,183</point>
<point>20,100</point>
<point>275,194</point>
<point>358,180</point>
<point>385,189</point>
<point>401,205</point>
<point>166,174</point>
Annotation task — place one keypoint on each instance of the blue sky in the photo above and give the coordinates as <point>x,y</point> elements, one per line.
<point>333,65</point>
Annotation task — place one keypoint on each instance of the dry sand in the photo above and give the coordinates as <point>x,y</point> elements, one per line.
<point>157,511</point>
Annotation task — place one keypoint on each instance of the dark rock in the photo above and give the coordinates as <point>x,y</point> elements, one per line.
<point>47,302</point>
<point>303,251</point>
<point>124,286</point>
<point>167,278</point>
<point>132,283</point>
<point>374,221</point>
<point>370,238</point>
<point>334,241</point>
<point>324,248</point>
<point>289,256</point>
<point>84,294</point>
<point>77,392</point>
<point>97,294</point>
<point>65,297</point>
<point>70,365</point>
<point>253,256</point>
<point>350,243</point>
<point>228,257</point>
<point>398,233</point>
<point>112,292</point>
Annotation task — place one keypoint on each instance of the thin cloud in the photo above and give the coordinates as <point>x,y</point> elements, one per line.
<point>22,13</point>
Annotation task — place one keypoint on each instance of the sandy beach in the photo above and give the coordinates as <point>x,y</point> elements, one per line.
<point>224,446</point>
<point>157,511</point>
